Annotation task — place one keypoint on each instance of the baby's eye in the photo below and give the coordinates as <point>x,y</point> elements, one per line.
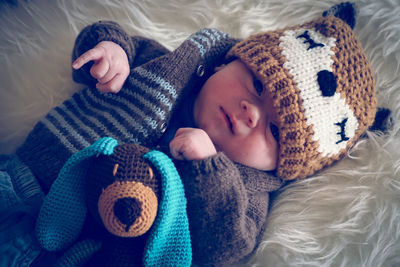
<point>274,131</point>
<point>258,86</point>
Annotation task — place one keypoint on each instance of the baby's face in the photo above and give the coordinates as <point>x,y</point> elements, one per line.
<point>239,117</point>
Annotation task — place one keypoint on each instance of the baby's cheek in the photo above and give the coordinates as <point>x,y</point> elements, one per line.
<point>255,153</point>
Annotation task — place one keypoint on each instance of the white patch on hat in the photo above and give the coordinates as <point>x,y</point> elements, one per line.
<point>307,53</point>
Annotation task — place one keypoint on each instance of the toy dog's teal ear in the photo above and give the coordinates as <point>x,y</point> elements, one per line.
<point>169,241</point>
<point>63,212</point>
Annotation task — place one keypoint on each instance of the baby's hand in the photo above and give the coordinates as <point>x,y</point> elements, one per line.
<point>110,68</point>
<point>191,144</point>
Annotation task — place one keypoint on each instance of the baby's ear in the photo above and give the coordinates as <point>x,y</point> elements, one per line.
<point>344,11</point>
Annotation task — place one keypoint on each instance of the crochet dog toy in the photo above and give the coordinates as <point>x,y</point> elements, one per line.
<point>136,203</point>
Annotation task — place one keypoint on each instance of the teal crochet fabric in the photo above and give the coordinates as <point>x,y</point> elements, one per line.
<point>59,224</point>
<point>79,253</point>
<point>169,242</point>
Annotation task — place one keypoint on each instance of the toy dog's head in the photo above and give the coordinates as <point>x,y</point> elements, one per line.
<point>322,87</point>
<point>123,191</point>
<point>128,189</point>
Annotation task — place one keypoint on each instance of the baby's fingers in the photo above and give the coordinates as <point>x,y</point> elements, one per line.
<point>92,54</point>
<point>176,149</point>
<point>112,86</point>
<point>100,69</point>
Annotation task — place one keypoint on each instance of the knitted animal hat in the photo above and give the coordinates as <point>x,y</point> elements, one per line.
<point>322,87</point>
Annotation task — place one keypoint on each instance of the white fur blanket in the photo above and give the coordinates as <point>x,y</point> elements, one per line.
<point>347,215</point>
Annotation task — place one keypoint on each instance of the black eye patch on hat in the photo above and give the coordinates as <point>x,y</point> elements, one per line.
<point>327,82</point>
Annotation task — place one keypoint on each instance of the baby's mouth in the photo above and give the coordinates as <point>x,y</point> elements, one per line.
<point>227,120</point>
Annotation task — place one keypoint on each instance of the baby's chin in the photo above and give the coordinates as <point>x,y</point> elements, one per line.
<point>261,167</point>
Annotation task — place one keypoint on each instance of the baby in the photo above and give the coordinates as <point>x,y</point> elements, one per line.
<point>291,101</point>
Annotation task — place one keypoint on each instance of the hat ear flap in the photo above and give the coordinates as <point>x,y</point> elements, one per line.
<point>63,212</point>
<point>344,11</point>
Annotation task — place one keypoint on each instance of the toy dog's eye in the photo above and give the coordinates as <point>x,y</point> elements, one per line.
<point>115,169</point>
<point>258,86</point>
<point>151,174</point>
<point>310,41</point>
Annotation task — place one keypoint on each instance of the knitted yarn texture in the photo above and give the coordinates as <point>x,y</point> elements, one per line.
<point>64,209</point>
<point>169,242</point>
<point>79,253</point>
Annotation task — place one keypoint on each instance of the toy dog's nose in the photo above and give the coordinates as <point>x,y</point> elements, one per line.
<point>127,210</point>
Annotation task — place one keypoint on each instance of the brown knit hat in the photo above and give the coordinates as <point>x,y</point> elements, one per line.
<point>322,87</point>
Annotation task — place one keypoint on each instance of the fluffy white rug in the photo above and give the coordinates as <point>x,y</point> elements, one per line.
<point>348,215</point>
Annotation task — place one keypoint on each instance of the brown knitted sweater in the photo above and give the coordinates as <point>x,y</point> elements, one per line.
<point>227,202</point>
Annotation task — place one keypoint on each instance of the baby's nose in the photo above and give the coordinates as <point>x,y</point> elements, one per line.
<point>251,113</point>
